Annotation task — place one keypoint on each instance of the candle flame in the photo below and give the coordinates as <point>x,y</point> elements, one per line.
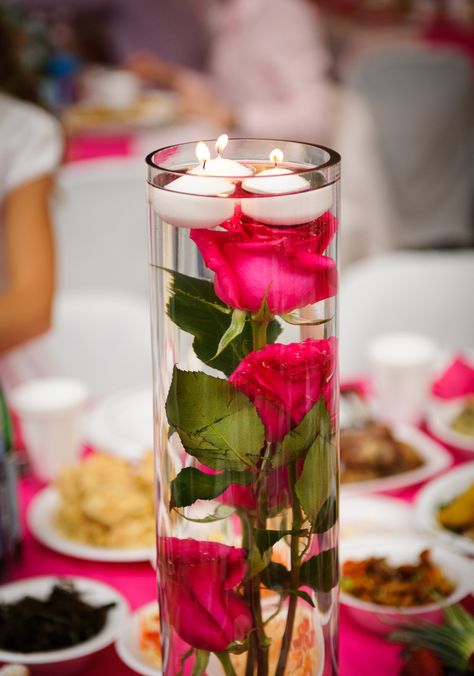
<point>276,156</point>
<point>221,143</point>
<point>202,152</point>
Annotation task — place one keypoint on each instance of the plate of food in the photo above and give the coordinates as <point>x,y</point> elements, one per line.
<point>387,580</point>
<point>375,457</point>
<point>139,643</point>
<point>101,510</point>
<point>445,507</point>
<point>151,109</point>
<point>364,514</point>
<point>121,424</point>
<point>58,625</point>
<point>452,422</point>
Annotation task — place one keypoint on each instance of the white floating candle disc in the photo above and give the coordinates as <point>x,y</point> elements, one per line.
<point>292,209</point>
<point>275,181</point>
<point>222,166</point>
<point>194,201</point>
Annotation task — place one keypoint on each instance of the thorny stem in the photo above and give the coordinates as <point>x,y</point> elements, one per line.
<point>295,572</point>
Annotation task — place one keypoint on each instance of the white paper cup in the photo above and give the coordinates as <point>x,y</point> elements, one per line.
<point>401,369</point>
<point>50,411</point>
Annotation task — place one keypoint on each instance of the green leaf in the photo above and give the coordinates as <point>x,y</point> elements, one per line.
<point>275,576</point>
<point>302,595</point>
<point>327,516</point>
<point>194,307</point>
<point>317,480</point>
<point>191,484</point>
<point>295,319</point>
<point>257,561</point>
<point>216,423</point>
<point>201,658</point>
<point>236,327</point>
<point>296,443</point>
<point>321,572</point>
<point>221,512</point>
<point>265,539</point>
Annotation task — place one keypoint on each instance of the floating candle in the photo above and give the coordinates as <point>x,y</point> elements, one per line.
<point>291,200</point>
<point>219,166</point>
<point>199,203</point>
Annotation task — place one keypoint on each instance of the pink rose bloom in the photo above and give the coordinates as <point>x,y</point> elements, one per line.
<point>251,260</point>
<point>285,381</point>
<point>198,580</point>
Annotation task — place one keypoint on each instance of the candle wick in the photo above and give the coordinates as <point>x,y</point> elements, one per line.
<point>204,164</point>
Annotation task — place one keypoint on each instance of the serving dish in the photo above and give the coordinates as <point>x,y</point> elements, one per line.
<point>438,493</point>
<point>75,659</point>
<point>399,550</point>
<point>41,520</point>
<point>128,644</point>
<point>435,460</point>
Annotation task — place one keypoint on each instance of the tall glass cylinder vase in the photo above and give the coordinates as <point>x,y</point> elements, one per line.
<point>243,267</point>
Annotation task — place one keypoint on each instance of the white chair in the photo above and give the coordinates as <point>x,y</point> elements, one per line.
<point>426,292</point>
<point>100,222</point>
<point>421,100</point>
<point>103,339</point>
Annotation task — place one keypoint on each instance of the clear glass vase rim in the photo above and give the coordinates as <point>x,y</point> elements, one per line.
<point>333,160</point>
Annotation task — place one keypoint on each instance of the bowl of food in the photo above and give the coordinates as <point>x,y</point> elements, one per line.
<point>452,421</point>
<point>445,508</point>
<point>58,625</point>
<point>388,580</point>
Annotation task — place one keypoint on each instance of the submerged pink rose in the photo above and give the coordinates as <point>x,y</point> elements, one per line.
<point>198,581</point>
<point>285,381</point>
<point>251,260</point>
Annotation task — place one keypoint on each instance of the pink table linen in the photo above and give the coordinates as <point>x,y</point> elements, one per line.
<point>361,654</point>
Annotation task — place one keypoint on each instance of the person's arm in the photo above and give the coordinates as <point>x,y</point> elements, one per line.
<point>26,305</point>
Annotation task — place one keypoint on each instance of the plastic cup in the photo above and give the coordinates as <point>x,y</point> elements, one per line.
<point>401,369</point>
<point>50,411</point>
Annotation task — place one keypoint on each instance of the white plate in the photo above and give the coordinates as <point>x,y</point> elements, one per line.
<point>361,515</point>
<point>400,549</point>
<point>41,515</point>
<point>68,660</point>
<point>128,643</point>
<point>438,493</point>
<point>121,424</point>
<point>440,415</point>
<point>435,458</point>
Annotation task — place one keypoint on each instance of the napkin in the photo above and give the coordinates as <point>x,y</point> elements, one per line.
<point>456,381</point>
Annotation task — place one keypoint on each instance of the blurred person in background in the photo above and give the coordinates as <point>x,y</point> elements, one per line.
<point>30,151</point>
<point>267,70</point>
<point>269,75</point>
<point>109,32</point>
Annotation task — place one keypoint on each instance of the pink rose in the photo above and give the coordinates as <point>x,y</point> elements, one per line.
<point>251,260</point>
<point>198,580</point>
<point>285,381</point>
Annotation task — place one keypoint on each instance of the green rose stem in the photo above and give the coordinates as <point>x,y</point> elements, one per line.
<point>224,659</point>
<point>259,643</point>
<point>295,572</point>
